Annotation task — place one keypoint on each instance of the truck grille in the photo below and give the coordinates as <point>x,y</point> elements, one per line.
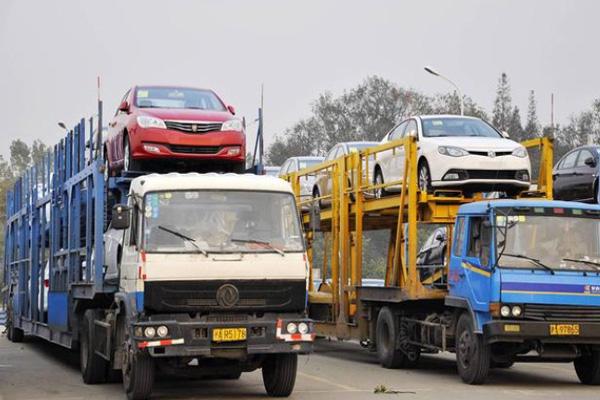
<point>193,127</point>
<point>194,149</point>
<point>545,312</point>
<point>252,295</point>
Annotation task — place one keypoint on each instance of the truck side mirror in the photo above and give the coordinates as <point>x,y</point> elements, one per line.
<point>590,162</point>
<point>121,216</point>
<point>124,106</point>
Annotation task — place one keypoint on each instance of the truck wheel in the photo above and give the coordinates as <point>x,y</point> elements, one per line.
<point>472,353</point>
<point>587,368</point>
<point>279,374</point>
<point>15,335</point>
<point>93,367</point>
<point>386,337</point>
<point>138,371</point>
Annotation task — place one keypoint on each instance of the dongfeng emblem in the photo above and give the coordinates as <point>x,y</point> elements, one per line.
<point>227,295</point>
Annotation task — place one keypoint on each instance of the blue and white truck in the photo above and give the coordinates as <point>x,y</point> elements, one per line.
<point>189,274</point>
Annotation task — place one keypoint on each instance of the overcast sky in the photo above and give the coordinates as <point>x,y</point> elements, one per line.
<point>52,51</point>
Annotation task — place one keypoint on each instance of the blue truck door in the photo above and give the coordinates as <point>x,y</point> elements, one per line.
<point>471,262</point>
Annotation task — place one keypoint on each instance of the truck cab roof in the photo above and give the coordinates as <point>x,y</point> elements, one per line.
<point>481,207</point>
<point>195,181</point>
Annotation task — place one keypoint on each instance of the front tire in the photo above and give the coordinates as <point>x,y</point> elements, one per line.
<point>93,367</point>
<point>129,163</point>
<point>137,370</point>
<point>424,177</point>
<point>15,335</point>
<point>472,353</point>
<point>587,368</point>
<point>378,180</point>
<point>279,374</point>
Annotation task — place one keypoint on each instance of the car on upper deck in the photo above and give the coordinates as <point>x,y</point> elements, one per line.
<point>455,152</point>
<point>575,175</point>
<point>323,184</point>
<point>295,164</point>
<point>172,128</point>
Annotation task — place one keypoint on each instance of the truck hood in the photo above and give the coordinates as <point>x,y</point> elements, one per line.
<point>182,267</point>
<point>540,287</point>
<point>187,114</point>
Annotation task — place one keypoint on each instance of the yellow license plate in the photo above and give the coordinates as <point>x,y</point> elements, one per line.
<point>228,334</point>
<point>564,329</point>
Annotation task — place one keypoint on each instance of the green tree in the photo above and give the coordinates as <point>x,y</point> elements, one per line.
<point>20,157</point>
<point>38,151</point>
<point>532,127</point>
<point>503,111</point>
<point>515,129</point>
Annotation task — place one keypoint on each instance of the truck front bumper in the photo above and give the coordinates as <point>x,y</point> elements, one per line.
<point>518,331</point>
<point>194,338</point>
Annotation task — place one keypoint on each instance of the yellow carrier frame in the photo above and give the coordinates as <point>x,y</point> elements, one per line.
<point>354,209</point>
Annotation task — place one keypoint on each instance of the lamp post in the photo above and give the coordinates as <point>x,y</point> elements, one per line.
<point>435,73</point>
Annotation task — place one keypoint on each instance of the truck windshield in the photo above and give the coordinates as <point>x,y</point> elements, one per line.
<point>221,222</point>
<point>548,242</point>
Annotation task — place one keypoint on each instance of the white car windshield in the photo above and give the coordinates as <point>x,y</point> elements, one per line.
<point>164,97</point>
<point>309,163</point>
<point>221,221</point>
<point>558,242</point>
<point>439,127</point>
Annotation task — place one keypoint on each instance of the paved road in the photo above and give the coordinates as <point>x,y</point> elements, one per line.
<point>39,370</point>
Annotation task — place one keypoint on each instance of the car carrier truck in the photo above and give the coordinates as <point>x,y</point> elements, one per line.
<point>202,275</point>
<point>520,281</point>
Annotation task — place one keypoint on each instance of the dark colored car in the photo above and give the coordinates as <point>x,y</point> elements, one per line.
<point>433,251</point>
<point>575,175</point>
<point>159,128</point>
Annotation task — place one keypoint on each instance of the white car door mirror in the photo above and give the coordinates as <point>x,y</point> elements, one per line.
<point>505,135</point>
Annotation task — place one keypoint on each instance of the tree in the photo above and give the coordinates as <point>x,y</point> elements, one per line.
<point>503,111</point>
<point>515,129</point>
<point>20,157</point>
<point>38,151</point>
<point>449,103</point>
<point>532,127</point>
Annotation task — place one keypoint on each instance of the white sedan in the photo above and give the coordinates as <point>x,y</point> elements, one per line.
<point>455,152</point>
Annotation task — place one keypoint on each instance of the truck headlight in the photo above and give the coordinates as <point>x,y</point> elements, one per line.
<point>162,331</point>
<point>232,125</point>
<point>516,311</point>
<point>291,327</point>
<point>149,332</point>
<point>452,151</point>
<point>505,311</point>
<point>520,152</point>
<point>303,327</point>
<point>146,121</point>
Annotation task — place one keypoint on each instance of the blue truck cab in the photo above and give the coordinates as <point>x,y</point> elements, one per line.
<point>527,275</point>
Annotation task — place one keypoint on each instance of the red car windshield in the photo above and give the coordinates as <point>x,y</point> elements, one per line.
<point>163,97</point>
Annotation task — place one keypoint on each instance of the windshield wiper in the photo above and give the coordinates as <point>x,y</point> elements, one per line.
<point>267,244</point>
<point>588,262</point>
<point>533,260</point>
<point>184,237</point>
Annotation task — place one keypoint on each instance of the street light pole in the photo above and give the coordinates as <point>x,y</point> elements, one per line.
<point>435,73</point>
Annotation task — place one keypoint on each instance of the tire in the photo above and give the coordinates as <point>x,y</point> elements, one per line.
<point>513,192</point>
<point>597,192</point>
<point>473,357</point>
<point>587,368</point>
<point>137,369</point>
<point>129,164</point>
<point>279,374</point>
<point>15,335</point>
<point>424,177</point>
<point>93,367</point>
<point>387,335</point>
<point>378,180</point>
<point>239,168</point>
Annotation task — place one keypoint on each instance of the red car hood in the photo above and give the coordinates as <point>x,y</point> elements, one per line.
<point>187,114</point>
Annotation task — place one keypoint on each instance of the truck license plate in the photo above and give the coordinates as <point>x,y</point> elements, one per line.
<point>564,329</point>
<point>228,334</point>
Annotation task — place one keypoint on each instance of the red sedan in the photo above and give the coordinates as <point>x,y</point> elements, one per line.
<point>158,128</point>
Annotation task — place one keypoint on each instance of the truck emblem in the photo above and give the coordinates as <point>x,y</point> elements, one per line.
<point>227,295</point>
<point>491,154</point>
